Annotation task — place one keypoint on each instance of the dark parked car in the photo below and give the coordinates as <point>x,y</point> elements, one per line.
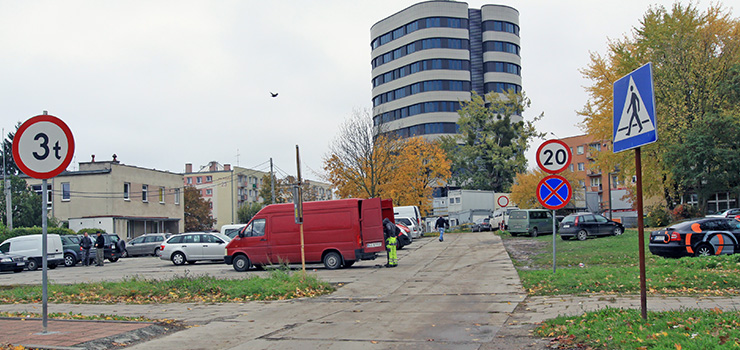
<point>583,225</point>
<point>483,225</point>
<point>72,253</point>
<point>699,237</point>
<point>11,262</point>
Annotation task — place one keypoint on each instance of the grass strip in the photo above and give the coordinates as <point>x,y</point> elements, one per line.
<point>610,266</point>
<point>280,284</point>
<point>612,328</point>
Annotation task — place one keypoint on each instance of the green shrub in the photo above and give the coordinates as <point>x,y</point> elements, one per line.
<point>658,216</point>
<point>24,231</point>
<point>90,231</point>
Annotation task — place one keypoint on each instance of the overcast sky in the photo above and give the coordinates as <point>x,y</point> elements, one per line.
<point>164,83</point>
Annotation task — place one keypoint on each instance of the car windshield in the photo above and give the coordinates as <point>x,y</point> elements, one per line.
<point>404,221</point>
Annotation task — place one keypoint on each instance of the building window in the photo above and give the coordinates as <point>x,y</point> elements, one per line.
<point>209,179</point>
<point>209,192</point>
<point>161,195</point>
<point>198,180</point>
<point>177,196</point>
<point>49,194</point>
<point>190,181</point>
<point>144,193</point>
<point>595,181</point>
<point>65,191</point>
<point>581,166</point>
<point>126,191</point>
<point>580,151</point>
<point>571,168</point>
<point>596,147</point>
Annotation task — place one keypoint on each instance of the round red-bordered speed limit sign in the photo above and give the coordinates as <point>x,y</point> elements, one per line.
<point>43,147</point>
<point>553,156</point>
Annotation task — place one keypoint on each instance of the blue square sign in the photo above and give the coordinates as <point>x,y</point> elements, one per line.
<point>634,110</point>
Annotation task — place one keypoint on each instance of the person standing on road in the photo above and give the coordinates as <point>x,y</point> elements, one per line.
<point>85,245</point>
<point>99,249</point>
<point>440,225</point>
<point>390,231</point>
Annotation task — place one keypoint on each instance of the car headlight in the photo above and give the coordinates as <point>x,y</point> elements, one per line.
<point>6,260</point>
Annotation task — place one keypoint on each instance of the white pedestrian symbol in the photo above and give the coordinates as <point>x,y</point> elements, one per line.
<point>635,119</point>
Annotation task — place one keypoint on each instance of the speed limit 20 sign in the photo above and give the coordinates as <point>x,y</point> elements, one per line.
<point>553,156</point>
<point>43,147</point>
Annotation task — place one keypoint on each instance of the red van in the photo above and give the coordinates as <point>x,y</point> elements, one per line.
<point>337,233</point>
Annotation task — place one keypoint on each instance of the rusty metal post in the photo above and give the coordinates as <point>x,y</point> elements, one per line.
<point>641,234</point>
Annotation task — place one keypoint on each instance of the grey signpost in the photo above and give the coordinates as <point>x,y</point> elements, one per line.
<point>553,156</point>
<point>43,147</point>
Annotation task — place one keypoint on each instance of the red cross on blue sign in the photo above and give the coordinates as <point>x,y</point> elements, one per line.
<point>554,192</point>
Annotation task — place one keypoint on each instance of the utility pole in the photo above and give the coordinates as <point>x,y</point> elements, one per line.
<point>272,183</point>
<point>6,181</point>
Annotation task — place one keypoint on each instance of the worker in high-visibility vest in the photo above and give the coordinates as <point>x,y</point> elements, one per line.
<point>390,231</point>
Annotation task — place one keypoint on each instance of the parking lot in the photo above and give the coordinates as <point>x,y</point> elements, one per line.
<point>148,267</point>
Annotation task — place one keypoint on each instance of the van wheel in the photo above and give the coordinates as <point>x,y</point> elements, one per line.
<point>582,235</point>
<point>533,233</point>
<point>69,260</point>
<point>33,265</point>
<point>178,258</point>
<point>332,260</point>
<point>241,263</point>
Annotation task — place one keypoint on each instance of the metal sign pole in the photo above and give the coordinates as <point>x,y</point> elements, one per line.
<point>641,234</point>
<point>300,206</point>
<point>554,233</point>
<point>44,250</point>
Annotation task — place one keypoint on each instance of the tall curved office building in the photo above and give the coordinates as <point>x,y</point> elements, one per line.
<point>430,56</point>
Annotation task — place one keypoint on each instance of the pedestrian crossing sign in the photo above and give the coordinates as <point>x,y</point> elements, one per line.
<point>634,110</point>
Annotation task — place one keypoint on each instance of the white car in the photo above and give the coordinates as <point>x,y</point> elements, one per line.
<point>411,224</point>
<point>193,246</point>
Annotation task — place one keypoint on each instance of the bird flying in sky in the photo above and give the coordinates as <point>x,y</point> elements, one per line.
<point>274,94</point>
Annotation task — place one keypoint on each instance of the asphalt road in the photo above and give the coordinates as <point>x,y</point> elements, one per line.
<point>452,294</point>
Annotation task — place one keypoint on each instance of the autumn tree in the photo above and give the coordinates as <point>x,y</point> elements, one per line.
<point>359,162</point>
<point>524,189</point>
<point>489,149</point>
<point>364,165</point>
<point>420,166</point>
<point>695,58</point>
<point>197,211</point>
<point>282,190</point>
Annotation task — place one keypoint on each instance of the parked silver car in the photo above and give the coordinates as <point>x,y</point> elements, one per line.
<point>148,244</point>
<point>193,246</point>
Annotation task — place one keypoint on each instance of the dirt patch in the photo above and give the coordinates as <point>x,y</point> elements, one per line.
<point>521,251</point>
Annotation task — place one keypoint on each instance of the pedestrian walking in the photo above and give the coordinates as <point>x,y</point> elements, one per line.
<point>85,245</point>
<point>99,249</point>
<point>390,231</point>
<point>440,225</point>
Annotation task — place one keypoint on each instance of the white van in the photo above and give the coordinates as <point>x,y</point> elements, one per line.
<point>501,218</point>
<point>409,211</point>
<point>30,247</point>
<point>231,230</point>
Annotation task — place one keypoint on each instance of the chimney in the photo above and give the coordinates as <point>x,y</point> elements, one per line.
<point>213,166</point>
<point>93,158</point>
<point>227,167</point>
<point>188,168</point>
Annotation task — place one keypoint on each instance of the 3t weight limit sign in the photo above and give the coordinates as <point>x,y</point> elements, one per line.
<point>553,156</point>
<point>43,147</point>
